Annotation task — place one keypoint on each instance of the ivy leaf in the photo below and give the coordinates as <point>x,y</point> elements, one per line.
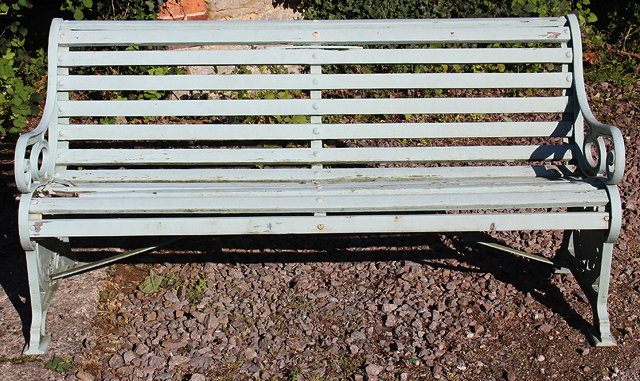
<point>19,122</point>
<point>77,14</point>
<point>87,3</point>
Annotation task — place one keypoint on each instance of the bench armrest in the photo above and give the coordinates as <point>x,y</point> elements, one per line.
<point>609,163</point>
<point>33,162</point>
<point>35,151</point>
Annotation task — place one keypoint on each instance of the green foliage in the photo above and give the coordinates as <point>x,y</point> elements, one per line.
<point>22,57</point>
<point>77,8</point>
<point>419,9</point>
<point>620,21</point>
<point>195,289</point>
<point>21,71</point>
<point>374,9</point>
<point>59,364</point>
<point>110,10</point>
<point>614,44</point>
<point>540,8</point>
<point>19,94</point>
<point>152,283</point>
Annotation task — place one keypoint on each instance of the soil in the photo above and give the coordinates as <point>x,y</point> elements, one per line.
<point>346,307</point>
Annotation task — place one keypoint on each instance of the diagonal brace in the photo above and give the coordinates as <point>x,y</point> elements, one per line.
<point>105,261</point>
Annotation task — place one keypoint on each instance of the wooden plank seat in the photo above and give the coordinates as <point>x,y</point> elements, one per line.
<point>294,127</point>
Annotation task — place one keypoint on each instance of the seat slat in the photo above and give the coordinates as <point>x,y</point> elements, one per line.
<point>448,186</point>
<point>320,202</point>
<point>100,189</point>
<point>162,226</point>
<point>310,155</point>
<point>206,175</point>
<point>93,132</point>
<point>314,106</point>
<point>315,56</point>
<point>315,81</point>
<point>343,33</point>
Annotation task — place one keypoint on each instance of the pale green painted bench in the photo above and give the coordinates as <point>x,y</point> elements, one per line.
<point>515,152</point>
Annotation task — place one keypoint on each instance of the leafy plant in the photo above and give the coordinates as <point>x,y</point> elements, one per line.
<point>195,289</point>
<point>21,71</point>
<point>59,364</point>
<point>152,283</point>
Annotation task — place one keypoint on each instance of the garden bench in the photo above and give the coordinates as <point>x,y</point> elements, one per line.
<point>317,127</point>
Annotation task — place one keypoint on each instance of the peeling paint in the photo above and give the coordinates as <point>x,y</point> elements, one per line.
<point>37,226</point>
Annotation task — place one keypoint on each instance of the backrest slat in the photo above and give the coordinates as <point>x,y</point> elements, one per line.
<point>315,56</point>
<point>345,32</point>
<point>310,131</point>
<point>222,156</point>
<point>516,22</point>
<point>316,81</point>
<point>315,107</point>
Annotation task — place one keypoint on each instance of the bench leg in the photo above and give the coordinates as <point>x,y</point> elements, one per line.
<point>590,256</point>
<point>42,261</point>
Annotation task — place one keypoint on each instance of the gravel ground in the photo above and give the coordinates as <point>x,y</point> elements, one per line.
<point>353,307</point>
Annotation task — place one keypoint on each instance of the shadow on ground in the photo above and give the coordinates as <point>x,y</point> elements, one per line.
<point>13,271</point>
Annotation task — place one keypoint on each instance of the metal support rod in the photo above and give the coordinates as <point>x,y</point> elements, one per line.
<point>93,265</point>
<point>518,252</point>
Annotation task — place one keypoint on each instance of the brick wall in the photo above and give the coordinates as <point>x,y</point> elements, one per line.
<point>183,10</point>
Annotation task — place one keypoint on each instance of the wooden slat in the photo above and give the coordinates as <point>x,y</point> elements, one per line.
<point>313,187</point>
<point>123,132</point>
<point>314,106</point>
<point>315,81</point>
<point>317,189</point>
<point>308,189</point>
<point>317,56</point>
<point>163,226</point>
<point>346,32</point>
<point>309,155</point>
<point>286,203</point>
<point>206,175</point>
<point>96,25</point>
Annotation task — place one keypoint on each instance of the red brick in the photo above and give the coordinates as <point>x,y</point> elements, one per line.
<point>183,10</point>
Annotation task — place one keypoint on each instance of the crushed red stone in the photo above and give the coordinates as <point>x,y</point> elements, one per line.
<point>355,307</point>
